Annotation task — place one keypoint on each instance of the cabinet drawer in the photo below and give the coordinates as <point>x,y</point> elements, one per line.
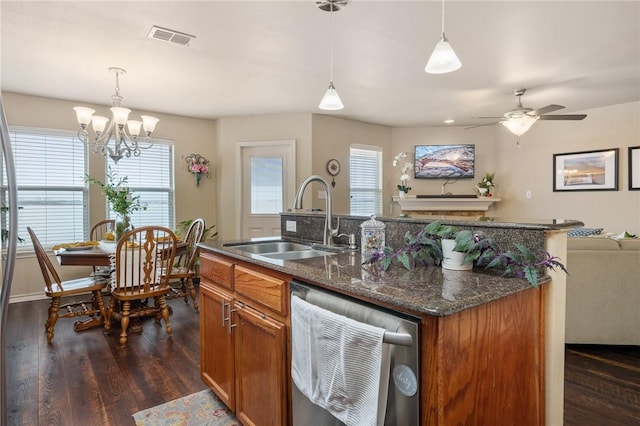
<point>264,289</point>
<point>216,269</point>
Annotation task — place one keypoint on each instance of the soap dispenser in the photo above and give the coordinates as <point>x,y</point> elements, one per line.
<point>372,237</point>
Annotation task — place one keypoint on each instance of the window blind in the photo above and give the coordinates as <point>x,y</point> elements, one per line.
<point>151,176</point>
<point>365,176</point>
<point>52,195</point>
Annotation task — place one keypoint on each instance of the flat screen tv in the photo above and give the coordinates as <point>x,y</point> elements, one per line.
<point>444,161</point>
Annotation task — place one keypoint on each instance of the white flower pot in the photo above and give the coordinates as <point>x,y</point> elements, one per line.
<point>453,260</point>
<point>402,194</point>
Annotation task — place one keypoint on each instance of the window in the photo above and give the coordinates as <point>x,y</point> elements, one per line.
<point>151,176</point>
<point>266,185</point>
<point>52,194</point>
<point>365,165</point>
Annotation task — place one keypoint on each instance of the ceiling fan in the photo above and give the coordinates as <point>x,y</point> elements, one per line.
<point>520,119</point>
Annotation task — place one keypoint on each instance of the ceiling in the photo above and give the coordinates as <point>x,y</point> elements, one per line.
<point>272,57</point>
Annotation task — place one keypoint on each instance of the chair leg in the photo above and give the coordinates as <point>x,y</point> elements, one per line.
<point>110,310</point>
<point>97,297</point>
<point>53,317</point>
<point>192,292</point>
<point>164,311</point>
<point>124,322</point>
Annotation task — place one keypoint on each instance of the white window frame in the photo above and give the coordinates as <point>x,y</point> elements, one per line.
<point>38,164</point>
<point>166,186</point>
<point>375,189</point>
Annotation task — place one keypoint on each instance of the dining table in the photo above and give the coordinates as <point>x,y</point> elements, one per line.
<point>94,255</point>
<point>97,255</point>
<point>91,255</point>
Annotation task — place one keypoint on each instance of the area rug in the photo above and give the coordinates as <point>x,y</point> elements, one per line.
<point>199,409</point>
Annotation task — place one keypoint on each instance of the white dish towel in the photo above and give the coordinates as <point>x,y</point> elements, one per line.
<point>339,364</point>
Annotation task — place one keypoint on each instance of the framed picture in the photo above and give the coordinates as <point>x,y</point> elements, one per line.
<point>634,168</point>
<point>586,171</point>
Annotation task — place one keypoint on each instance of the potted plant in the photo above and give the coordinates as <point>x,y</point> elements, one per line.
<point>404,187</point>
<point>485,186</point>
<point>122,201</point>
<point>477,249</point>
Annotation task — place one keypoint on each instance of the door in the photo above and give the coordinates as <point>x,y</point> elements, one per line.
<point>216,342</point>
<point>267,173</point>
<point>261,355</point>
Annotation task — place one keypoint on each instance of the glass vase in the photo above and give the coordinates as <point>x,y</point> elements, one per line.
<point>123,225</point>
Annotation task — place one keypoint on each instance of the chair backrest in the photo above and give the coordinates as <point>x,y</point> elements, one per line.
<point>49,273</point>
<point>194,235</point>
<point>141,257</point>
<point>101,228</point>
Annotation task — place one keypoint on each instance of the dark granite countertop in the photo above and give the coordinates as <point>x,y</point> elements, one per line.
<point>427,290</point>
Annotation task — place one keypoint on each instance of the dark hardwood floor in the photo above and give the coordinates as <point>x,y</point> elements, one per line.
<point>87,378</point>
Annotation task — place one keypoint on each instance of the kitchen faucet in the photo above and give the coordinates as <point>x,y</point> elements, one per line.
<point>329,232</point>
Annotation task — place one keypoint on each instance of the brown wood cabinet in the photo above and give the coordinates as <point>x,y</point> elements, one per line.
<point>243,339</point>
<point>482,365</point>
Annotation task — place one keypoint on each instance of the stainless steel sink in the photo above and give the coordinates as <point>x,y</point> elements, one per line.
<point>284,250</point>
<point>268,247</point>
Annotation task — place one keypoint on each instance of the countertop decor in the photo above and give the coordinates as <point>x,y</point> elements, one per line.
<point>478,248</point>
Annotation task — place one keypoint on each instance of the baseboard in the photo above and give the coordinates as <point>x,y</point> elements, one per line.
<point>27,297</point>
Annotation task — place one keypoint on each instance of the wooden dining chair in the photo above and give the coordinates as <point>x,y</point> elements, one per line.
<point>100,230</point>
<point>55,289</point>
<point>139,266</point>
<point>184,269</point>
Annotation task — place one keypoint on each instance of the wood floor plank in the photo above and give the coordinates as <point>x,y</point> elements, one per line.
<point>88,378</point>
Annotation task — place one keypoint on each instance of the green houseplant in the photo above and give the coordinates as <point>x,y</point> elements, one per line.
<point>122,201</point>
<point>425,248</point>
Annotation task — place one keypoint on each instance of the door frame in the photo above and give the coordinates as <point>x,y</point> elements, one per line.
<point>289,175</point>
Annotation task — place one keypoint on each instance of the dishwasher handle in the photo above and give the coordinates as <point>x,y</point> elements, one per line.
<point>400,339</point>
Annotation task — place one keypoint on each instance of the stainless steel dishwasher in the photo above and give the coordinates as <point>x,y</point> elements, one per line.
<point>403,401</point>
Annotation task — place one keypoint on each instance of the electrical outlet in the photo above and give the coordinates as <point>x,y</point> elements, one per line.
<point>322,195</point>
<point>291,226</point>
<point>528,194</point>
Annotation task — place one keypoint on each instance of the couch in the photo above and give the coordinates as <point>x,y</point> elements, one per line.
<point>603,291</point>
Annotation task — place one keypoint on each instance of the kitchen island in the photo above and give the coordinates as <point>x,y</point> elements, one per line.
<point>482,336</point>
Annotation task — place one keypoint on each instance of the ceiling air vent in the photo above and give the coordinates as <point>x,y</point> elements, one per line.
<point>171,36</point>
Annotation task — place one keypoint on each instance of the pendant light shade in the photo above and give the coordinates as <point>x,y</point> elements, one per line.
<point>331,100</point>
<point>443,59</point>
<point>519,125</point>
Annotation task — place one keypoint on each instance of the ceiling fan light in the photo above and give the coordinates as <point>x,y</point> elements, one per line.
<point>519,125</point>
<point>331,100</point>
<point>443,59</point>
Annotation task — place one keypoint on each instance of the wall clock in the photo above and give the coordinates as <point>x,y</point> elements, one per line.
<point>333,168</point>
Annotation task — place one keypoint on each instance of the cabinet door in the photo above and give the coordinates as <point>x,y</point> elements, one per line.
<point>216,342</point>
<point>261,392</point>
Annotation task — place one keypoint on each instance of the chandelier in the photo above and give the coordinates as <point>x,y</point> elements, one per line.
<point>125,140</point>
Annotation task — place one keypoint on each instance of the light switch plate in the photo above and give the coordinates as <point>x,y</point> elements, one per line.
<point>291,226</point>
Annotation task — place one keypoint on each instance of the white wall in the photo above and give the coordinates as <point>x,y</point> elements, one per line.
<point>265,128</point>
<point>529,166</point>
<point>332,138</point>
<point>189,135</point>
<point>322,137</point>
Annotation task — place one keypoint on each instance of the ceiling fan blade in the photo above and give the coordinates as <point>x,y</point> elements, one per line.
<point>480,125</point>
<point>563,117</point>
<point>547,109</point>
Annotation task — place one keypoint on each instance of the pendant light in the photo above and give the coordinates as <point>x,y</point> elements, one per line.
<point>443,59</point>
<point>331,100</point>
